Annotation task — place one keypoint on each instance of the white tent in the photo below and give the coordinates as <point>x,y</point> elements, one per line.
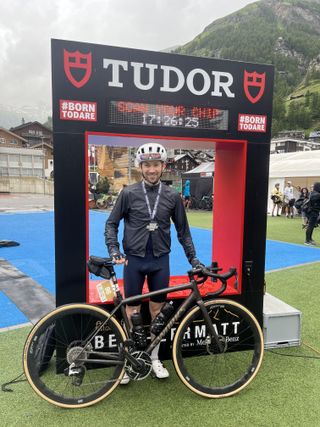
<point>300,167</point>
<point>205,169</point>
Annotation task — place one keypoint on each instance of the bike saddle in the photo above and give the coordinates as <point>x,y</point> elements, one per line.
<point>102,267</point>
<point>99,261</point>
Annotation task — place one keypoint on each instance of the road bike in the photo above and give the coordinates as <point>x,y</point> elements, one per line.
<point>206,203</point>
<point>77,355</point>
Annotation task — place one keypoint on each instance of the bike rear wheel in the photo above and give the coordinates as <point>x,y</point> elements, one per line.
<point>200,364</point>
<point>71,335</point>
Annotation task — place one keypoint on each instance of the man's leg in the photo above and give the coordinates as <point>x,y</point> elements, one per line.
<point>133,280</point>
<point>158,278</point>
<point>312,220</point>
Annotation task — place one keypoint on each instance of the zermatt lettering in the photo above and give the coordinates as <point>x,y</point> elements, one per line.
<point>198,81</point>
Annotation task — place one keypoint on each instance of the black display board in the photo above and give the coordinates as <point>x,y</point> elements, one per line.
<point>119,91</point>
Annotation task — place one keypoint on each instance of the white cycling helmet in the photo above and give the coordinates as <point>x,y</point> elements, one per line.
<point>150,151</point>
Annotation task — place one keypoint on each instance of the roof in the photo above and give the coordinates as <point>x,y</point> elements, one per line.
<point>181,156</point>
<point>297,164</point>
<point>13,134</point>
<point>28,124</point>
<point>204,167</point>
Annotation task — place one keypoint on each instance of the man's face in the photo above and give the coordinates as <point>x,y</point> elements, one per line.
<point>152,170</point>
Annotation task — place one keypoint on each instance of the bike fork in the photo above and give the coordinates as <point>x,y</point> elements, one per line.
<point>209,324</point>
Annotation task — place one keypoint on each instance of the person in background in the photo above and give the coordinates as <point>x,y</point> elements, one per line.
<point>147,208</point>
<point>276,197</point>
<point>289,199</point>
<point>304,195</point>
<point>186,194</point>
<point>313,213</point>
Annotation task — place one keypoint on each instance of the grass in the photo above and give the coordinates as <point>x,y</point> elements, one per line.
<point>285,392</point>
<point>278,228</point>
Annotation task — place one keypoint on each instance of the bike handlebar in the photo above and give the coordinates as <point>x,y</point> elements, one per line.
<point>96,265</point>
<point>205,272</point>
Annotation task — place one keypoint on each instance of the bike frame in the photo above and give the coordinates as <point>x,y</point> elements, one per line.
<point>193,298</point>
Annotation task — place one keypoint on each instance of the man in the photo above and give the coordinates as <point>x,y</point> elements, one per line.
<point>313,213</point>
<point>288,198</point>
<point>186,194</point>
<point>147,208</point>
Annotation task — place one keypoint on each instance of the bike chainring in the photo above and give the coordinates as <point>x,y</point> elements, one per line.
<point>146,366</point>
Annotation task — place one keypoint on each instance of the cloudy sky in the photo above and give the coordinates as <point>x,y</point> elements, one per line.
<point>26,27</point>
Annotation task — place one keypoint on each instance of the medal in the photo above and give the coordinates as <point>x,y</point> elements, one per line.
<point>152,226</point>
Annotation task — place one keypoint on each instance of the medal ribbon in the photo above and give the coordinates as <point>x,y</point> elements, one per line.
<point>155,208</point>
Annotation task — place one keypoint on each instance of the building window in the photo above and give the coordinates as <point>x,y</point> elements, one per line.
<point>26,160</point>
<point>14,172</point>
<point>26,172</point>
<point>14,159</point>
<point>37,160</point>
<point>2,140</point>
<point>38,173</point>
<point>3,159</point>
<point>3,171</point>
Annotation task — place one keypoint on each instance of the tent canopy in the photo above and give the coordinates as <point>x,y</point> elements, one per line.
<point>206,167</point>
<point>297,164</point>
<point>201,180</point>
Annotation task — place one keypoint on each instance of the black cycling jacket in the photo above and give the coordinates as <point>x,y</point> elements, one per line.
<point>131,206</point>
<point>315,201</point>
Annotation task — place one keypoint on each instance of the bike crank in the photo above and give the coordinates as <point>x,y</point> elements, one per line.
<point>141,368</point>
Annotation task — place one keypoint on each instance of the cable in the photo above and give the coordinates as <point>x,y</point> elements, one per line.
<point>298,355</point>
<point>293,355</point>
<point>14,381</point>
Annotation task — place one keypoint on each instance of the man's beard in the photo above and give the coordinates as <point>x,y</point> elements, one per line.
<point>149,182</point>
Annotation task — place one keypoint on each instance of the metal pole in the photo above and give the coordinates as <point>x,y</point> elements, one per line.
<point>43,167</point>
<point>129,165</point>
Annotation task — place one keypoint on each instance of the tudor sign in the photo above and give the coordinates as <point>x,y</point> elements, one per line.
<point>198,81</point>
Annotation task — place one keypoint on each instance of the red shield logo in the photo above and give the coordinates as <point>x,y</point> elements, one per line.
<point>254,85</point>
<point>77,60</point>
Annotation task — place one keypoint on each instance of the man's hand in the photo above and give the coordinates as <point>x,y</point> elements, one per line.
<point>118,258</point>
<point>196,263</point>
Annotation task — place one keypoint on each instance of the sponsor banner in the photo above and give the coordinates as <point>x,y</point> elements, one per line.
<point>252,123</point>
<point>78,110</point>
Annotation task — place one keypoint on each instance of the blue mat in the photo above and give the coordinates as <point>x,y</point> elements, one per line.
<point>35,255</point>
<point>9,313</point>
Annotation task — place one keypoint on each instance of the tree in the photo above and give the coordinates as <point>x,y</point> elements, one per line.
<point>103,186</point>
<point>48,123</point>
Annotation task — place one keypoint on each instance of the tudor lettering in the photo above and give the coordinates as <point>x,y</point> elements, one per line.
<point>198,81</point>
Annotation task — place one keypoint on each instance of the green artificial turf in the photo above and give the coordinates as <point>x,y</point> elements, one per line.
<point>278,228</point>
<point>285,392</point>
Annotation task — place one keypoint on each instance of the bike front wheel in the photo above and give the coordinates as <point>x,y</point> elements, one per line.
<point>218,370</point>
<point>72,357</point>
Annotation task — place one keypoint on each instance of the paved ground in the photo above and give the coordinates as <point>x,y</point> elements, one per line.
<point>21,298</point>
<point>15,202</point>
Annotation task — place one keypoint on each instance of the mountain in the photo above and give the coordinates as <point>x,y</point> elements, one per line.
<point>11,116</point>
<point>285,33</point>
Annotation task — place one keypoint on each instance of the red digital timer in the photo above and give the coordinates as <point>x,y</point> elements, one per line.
<point>161,115</point>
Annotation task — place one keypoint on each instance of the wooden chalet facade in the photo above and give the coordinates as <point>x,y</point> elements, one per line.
<point>11,140</point>
<point>34,133</point>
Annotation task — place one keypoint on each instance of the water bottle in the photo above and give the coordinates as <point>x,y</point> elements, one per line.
<point>138,332</point>
<point>161,319</point>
